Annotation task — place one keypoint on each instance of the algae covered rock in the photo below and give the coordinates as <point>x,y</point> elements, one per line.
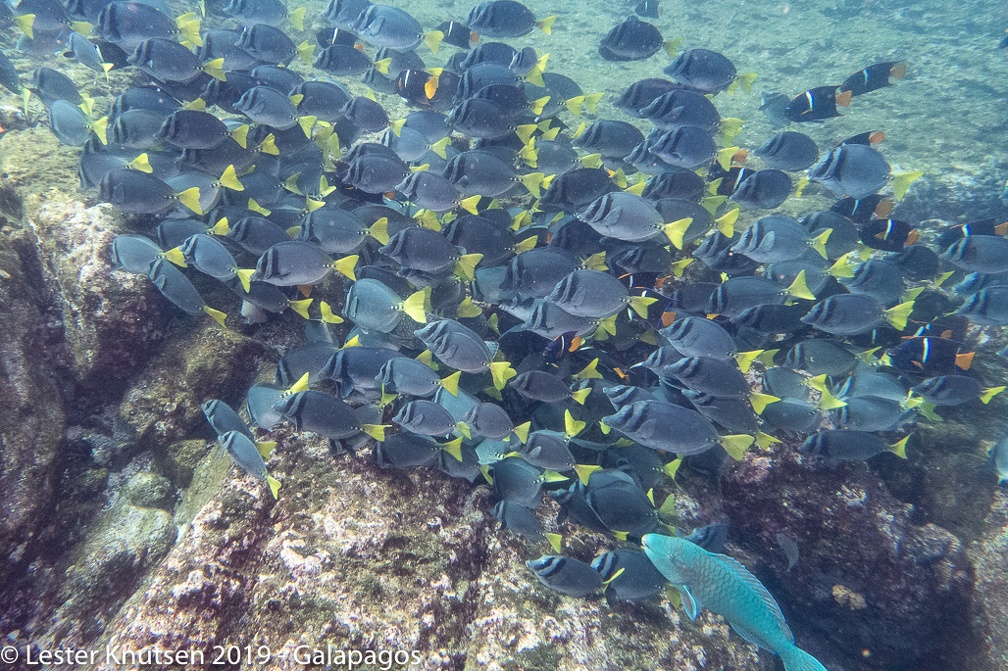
<point>111,320</point>
<point>988,554</point>
<point>31,412</point>
<point>882,590</point>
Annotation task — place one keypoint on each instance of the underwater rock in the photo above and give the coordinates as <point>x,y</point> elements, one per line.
<point>31,412</point>
<point>101,572</point>
<point>111,320</point>
<point>884,591</point>
<point>988,554</point>
<point>360,558</point>
<point>162,401</point>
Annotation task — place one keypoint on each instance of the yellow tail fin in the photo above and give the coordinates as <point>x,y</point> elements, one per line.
<point>759,401</point>
<point>217,315</point>
<point>903,180</point>
<point>736,445</point>
<point>899,449</point>
<point>346,266</point>
<point>274,486</point>
<point>466,264</point>
<point>818,243</point>
<point>501,372</point>
<point>799,288</point>
<point>301,307</point>
<point>414,307</point>
<point>580,395</point>
<point>676,231</point>
<point>244,276</point>
<point>546,25</point>
<point>190,198</point>
<point>376,431</point>
<point>450,383</point>
<point>898,315</point>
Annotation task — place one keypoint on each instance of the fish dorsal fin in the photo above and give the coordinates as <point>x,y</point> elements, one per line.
<point>753,583</point>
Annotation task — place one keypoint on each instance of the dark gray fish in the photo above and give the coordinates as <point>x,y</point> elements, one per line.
<point>357,368</point>
<point>136,129</point>
<point>789,548</point>
<point>9,77</point>
<point>777,238</point>
<point>373,306</point>
<point>620,503</point>
<point>244,451</point>
<point>223,418</point>
<point>427,251</point>
<point>854,314</point>
<point>880,279</point>
<point>208,255</point>
<point>293,263</point>
<point>631,40</point>
<point>639,580</point>
<point>269,44</point>
<point>854,170</point>
<point>321,99</point>
<point>191,129</point>
<point>516,480</point>
<point>461,348</point>
<point>407,450</point>
<point>344,13</point>
<point>265,105</point>
<point>492,421</point>
<point>672,428</point>
<point>71,125</point>
<point>684,146</point>
<point>540,385</point>
<point>482,119</point>
<point>134,253</point>
<point>142,193</point>
<point>609,138</point>
<point>764,189</point>
<point>703,70</point>
<point>506,18</point>
<point>366,114</point>
<point>170,61</point>
<point>394,28</point>
<point>793,415</point>
<point>818,356</point>
<point>789,150</point>
<point>625,216</point>
<point>592,293</point>
<point>987,307</point>
<point>52,85</point>
<point>566,575</point>
<point>521,520</point>
<point>979,254</point>
<point>850,445</point>
<point>682,107</point>
<point>715,377</point>
<point>873,414</point>
<point>376,173</point>
<point>733,414</point>
<point>954,390</point>
<point>642,93</point>
<point>177,288</point>
<point>255,234</point>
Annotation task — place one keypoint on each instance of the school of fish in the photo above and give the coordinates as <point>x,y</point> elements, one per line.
<point>504,286</point>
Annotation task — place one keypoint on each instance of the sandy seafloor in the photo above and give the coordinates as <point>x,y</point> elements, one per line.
<point>947,118</point>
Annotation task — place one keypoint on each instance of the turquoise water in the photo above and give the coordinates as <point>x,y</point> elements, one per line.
<point>129,531</point>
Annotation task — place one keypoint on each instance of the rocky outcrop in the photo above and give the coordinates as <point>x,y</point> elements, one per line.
<point>988,554</point>
<point>32,418</point>
<point>883,591</point>
<point>111,320</point>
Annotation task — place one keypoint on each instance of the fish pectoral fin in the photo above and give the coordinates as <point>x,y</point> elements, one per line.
<point>689,603</point>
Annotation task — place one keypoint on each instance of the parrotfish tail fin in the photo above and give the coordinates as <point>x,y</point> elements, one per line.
<point>572,426</point>
<point>450,383</point>
<point>761,401</point>
<point>217,315</point>
<point>799,288</point>
<point>522,431</point>
<point>640,305</point>
<point>376,431</point>
<point>175,256</point>
<point>245,277</point>
<point>328,316</point>
<point>414,307</point>
<point>745,360</point>
<point>346,266</point>
<point>306,51</point>
<point>229,179</point>
<point>730,128</point>
<point>898,315</point>
<point>724,157</point>
<point>100,128</point>
<point>190,198</point>
<point>501,372</point>
<point>297,18</point>
<point>818,243</point>
<point>796,659</point>
<point>301,307</point>
<point>765,440</point>
<point>26,23</point>
<point>306,123</point>
<point>584,471</point>
<point>379,230</point>
<point>842,268</point>
<point>265,448</point>
<point>990,393</point>
<point>215,68</point>
<point>580,395</point>
<point>902,181</point>
<point>532,182</point>
<point>800,187</point>
<point>274,486</point>
<point>463,429</point>
<point>555,541</point>
<point>433,40</point>
<point>141,163</point>
<point>466,265</point>
<point>546,25</point>
<point>675,231</point>
<point>736,445</point>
